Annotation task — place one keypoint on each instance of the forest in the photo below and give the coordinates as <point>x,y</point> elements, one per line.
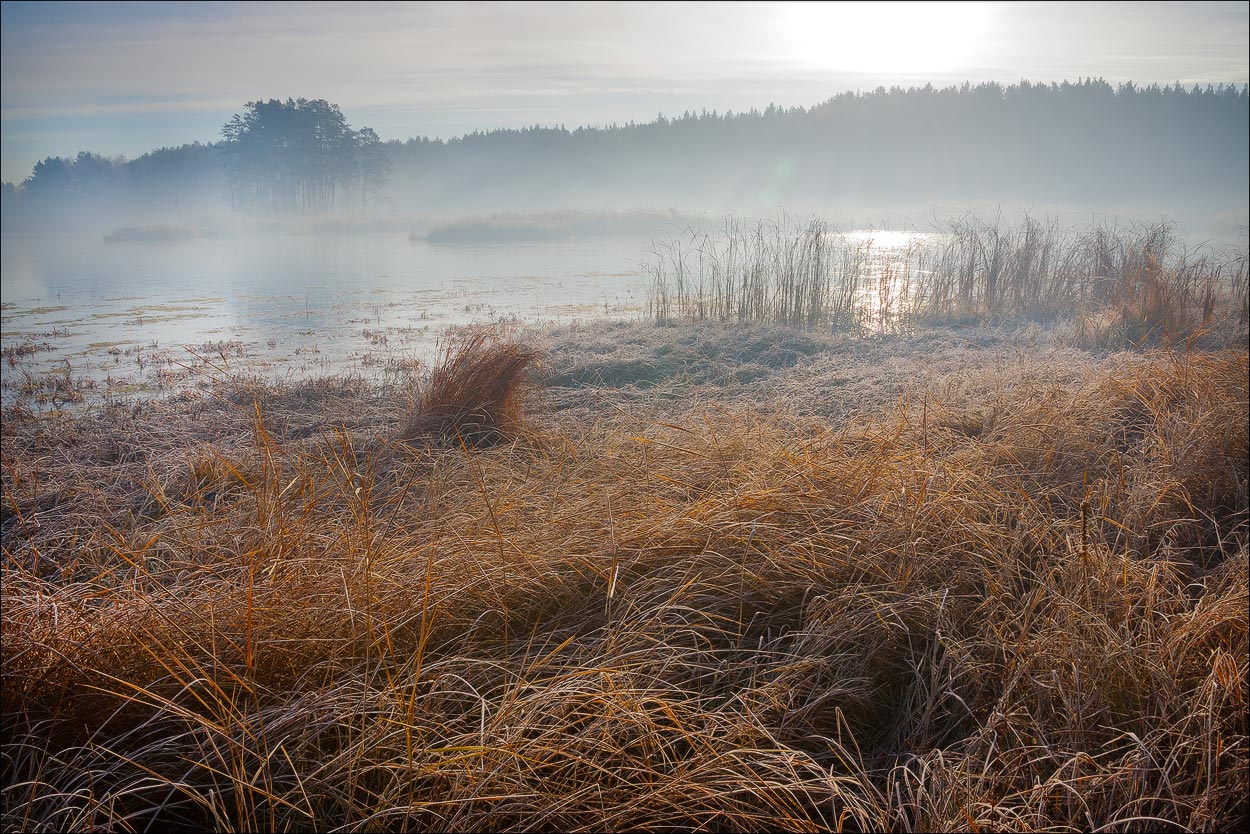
<point>1079,144</point>
<point>293,157</point>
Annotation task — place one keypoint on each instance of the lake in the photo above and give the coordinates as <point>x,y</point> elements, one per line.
<point>82,318</point>
<point>133,316</point>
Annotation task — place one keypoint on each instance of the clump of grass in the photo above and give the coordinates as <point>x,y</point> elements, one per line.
<point>564,224</point>
<point>475,393</point>
<point>162,233</point>
<point>58,387</point>
<point>1133,287</point>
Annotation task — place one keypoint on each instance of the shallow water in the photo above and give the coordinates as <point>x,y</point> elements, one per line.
<point>139,317</point>
<point>83,320</point>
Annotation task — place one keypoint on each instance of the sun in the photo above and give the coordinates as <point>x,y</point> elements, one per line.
<point>903,38</point>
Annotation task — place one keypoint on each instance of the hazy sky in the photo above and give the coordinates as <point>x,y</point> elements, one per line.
<point>124,78</point>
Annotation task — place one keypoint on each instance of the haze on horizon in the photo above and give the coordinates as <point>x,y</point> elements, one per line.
<point>125,78</point>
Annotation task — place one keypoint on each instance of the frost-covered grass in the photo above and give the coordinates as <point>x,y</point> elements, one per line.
<point>921,583</point>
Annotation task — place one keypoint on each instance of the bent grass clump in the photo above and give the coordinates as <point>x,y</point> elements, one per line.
<point>475,393</point>
<point>1022,607</point>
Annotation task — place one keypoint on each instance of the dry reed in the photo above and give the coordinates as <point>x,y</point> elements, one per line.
<point>1136,286</point>
<point>475,393</point>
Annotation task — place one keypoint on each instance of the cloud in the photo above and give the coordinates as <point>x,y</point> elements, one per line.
<point>435,68</point>
<point>379,54</point>
<point>370,54</point>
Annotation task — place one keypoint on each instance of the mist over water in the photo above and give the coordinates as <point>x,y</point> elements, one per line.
<point>288,305</point>
<point>300,244</point>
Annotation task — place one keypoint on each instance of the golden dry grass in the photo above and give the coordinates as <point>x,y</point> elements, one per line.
<point>1020,607</point>
<point>474,393</point>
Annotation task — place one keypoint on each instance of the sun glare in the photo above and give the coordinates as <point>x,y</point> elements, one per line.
<point>885,37</point>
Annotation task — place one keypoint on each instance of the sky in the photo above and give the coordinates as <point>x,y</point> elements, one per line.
<point>125,78</point>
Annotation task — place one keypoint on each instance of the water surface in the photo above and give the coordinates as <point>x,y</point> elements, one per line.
<point>283,305</point>
<point>86,318</point>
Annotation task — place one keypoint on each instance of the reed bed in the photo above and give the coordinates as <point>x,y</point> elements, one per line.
<point>1119,287</point>
<point>1019,605</point>
<point>564,224</point>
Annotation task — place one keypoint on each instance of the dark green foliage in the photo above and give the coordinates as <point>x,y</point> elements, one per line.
<point>294,156</point>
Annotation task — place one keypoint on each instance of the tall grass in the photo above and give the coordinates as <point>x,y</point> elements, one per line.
<point>1135,286</point>
<point>1023,609</point>
<point>772,272</point>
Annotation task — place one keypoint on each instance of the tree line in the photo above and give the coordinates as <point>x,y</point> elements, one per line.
<point>1078,141</point>
<point>297,156</point>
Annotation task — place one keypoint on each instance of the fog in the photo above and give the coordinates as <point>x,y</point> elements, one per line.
<point>902,158</point>
<point>300,243</point>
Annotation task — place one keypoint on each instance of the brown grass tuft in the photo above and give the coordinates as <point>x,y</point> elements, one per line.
<point>475,393</point>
